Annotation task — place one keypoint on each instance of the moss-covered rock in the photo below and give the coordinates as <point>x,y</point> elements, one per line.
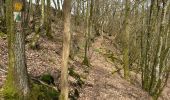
<point>3,25</point>
<point>86,62</point>
<point>38,92</point>
<point>47,78</point>
<point>42,92</point>
<point>79,80</point>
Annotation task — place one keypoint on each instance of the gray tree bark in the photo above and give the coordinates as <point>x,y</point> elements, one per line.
<point>17,79</point>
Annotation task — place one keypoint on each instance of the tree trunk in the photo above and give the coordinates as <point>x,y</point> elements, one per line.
<point>48,21</point>
<point>55,5</point>
<point>17,79</point>
<point>58,5</point>
<point>66,50</point>
<point>97,14</point>
<point>2,9</point>
<point>87,36</point>
<point>126,41</point>
<point>30,11</point>
<point>42,12</point>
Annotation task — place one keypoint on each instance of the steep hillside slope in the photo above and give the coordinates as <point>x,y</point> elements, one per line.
<point>103,80</point>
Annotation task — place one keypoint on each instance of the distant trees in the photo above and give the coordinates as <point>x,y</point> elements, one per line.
<point>2,17</point>
<point>2,8</point>
<point>143,27</point>
<point>155,50</point>
<point>44,24</point>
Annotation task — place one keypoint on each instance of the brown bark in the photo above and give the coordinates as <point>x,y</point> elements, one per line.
<point>66,50</point>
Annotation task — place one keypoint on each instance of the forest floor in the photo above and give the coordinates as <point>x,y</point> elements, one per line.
<point>106,84</point>
<point>104,79</point>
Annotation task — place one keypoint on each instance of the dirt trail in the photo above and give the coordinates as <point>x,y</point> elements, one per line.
<point>166,92</point>
<point>101,84</point>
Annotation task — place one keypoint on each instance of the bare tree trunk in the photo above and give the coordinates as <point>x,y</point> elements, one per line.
<point>77,14</point>
<point>126,41</point>
<point>2,9</point>
<point>58,5</point>
<point>87,34</point>
<point>42,12</point>
<point>48,19</point>
<point>17,79</point>
<point>66,50</point>
<point>97,14</point>
<point>30,11</point>
<point>55,5</point>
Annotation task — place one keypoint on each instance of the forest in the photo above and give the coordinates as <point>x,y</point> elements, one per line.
<point>84,49</point>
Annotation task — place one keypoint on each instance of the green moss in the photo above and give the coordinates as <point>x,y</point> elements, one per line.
<point>97,50</point>
<point>73,73</point>
<point>9,90</point>
<point>79,80</point>
<point>38,92</point>
<point>113,71</point>
<point>2,35</point>
<point>74,94</point>
<point>47,78</point>
<point>34,44</point>
<point>41,92</point>
<point>86,62</point>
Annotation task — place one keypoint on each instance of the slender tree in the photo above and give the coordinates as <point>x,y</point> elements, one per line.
<point>66,50</point>
<point>89,12</point>
<point>96,13</point>
<point>2,9</point>
<point>55,5</point>
<point>126,40</point>
<point>58,5</point>
<point>48,19</point>
<point>42,12</point>
<point>30,10</point>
